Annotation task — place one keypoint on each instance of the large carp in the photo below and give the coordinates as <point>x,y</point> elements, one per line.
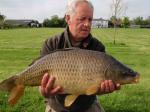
<point>77,71</point>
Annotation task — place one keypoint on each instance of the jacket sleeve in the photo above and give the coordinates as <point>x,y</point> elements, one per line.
<point>100,47</point>
<point>97,45</point>
<point>49,45</point>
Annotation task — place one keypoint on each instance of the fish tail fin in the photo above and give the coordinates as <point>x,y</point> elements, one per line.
<point>8,84</point>
<point>16,90</point>
<point>16,94</point>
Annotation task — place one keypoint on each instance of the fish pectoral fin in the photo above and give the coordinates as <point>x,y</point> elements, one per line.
<point>92,90</point>
<point>15,94</point>
<point>70,99</point>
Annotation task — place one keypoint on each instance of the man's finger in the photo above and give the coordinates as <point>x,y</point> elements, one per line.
<point>50,85</point>
<point>55,90</point>
<point>43,84</point>
<point>44,80</point>
<point>42,91</point>
<point>102,89</point>
<point>111,86</point>
<point>107,89</point>
<point>118,86</point>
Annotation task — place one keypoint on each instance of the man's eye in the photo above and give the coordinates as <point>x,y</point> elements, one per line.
<point>82,19</point>
<point>90,19</point>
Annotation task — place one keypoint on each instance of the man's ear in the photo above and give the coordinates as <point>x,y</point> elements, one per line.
<point>67,18</point>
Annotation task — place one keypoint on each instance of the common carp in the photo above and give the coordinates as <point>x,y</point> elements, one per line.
<point>76,70</point>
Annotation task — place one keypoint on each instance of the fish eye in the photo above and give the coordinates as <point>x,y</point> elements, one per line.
<point>131,72</point>
<point>128,72</point>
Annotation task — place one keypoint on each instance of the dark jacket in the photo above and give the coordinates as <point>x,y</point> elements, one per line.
<point>62,41</point>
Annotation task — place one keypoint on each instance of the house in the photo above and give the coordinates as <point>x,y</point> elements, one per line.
<point>99,23</point>
<point>22,23</point>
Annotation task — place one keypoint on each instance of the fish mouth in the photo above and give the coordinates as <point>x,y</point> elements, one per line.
<point>137,78</point>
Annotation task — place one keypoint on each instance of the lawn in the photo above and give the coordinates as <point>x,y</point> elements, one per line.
<point>18,47</point>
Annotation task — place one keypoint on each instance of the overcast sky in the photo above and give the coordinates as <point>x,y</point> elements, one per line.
<point>41,9</point>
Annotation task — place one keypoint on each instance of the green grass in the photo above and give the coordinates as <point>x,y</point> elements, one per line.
<point>133,48</point>
<point>18,47</point>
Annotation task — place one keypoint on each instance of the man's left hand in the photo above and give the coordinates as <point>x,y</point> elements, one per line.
<point>108,86</point>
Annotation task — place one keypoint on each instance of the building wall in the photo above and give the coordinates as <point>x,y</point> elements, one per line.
<point>99,23</point>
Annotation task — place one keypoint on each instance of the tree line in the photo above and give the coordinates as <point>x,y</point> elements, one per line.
<point>54,21</point>
<point>125,22</point>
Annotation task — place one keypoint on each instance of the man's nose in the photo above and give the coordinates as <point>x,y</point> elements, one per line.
<point>87,23</point>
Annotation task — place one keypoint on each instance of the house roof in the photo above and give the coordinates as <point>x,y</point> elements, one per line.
<point>20,22</point>
<point>99,19</point>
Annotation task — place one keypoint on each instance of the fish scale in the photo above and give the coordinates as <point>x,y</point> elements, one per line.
<point>77,71</point>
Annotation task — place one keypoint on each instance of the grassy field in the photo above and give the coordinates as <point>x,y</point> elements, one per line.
<point>18,47</point>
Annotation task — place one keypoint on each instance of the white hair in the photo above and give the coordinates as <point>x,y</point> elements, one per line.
<point>71,6</point>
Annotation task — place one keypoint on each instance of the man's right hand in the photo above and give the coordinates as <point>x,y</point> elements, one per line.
<point>47,87</point>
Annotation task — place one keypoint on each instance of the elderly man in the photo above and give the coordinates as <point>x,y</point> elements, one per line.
<point>79,17</point>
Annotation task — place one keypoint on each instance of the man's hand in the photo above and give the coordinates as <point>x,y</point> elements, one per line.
<point>108,86</point>
<point>47,88</point>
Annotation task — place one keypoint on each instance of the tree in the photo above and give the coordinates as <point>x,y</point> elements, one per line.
<point>62,22</point>
<point>116,21</point>
<point>138,20</point>
<point>147,21</point>
<point>126,22</point>
<point>117,8</point>
<point>2,18</point>
<point>46,23</point>
<point>55,21</point>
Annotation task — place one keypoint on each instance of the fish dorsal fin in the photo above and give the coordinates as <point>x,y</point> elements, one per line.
<point>92,90</point>
<point>15,94</point>
<point>70,99</point>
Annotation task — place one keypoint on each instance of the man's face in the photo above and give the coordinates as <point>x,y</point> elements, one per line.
<point>80,22</point>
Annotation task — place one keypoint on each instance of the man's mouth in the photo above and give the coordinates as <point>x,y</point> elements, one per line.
<point>85,30</point>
